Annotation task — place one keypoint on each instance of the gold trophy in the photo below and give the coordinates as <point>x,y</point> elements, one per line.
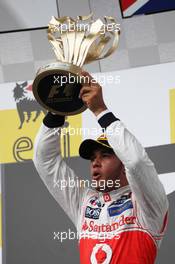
<point>75,42</point>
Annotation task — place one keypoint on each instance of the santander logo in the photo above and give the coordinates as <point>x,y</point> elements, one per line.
<point>92,227</point>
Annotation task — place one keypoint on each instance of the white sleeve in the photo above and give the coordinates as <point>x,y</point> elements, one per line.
<point>141,174</point>
<point>102,114</point>
<point>55,172</point>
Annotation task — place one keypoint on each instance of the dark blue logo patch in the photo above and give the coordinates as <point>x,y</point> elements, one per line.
<point>121,200</point>
<point>92,213</point>
<point>117,209</point>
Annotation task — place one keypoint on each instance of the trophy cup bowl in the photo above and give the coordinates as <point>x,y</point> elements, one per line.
<point>57,85</point>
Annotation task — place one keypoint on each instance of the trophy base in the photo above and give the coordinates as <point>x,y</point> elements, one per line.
<point>57,87</point>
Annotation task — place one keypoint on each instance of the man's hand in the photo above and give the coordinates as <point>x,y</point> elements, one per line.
<point>91,94</point>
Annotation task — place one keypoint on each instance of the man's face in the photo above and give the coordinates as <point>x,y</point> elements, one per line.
<point>105,170</point>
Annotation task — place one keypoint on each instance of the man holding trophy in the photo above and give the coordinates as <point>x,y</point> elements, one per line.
<point>119,223</point>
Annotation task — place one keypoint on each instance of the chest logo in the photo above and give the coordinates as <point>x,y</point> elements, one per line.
<point>101,253</point>
<point>93,213</point>
<point>94,201</point>
<point>119,206</point>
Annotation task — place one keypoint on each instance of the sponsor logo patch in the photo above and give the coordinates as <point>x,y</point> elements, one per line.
<point>92,213</point>
<point>95,202</point>
<point>106,197</point>
<point>117,209</point>
<point>121,200</point>
<point>121,222</point>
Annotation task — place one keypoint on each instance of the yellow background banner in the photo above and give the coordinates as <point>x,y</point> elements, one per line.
<point>16,145</point>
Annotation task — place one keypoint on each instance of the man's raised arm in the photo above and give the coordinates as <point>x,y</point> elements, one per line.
<point>53,170</point>
<point>141,174</point>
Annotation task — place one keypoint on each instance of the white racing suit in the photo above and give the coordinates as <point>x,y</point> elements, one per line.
<point>124,226</point>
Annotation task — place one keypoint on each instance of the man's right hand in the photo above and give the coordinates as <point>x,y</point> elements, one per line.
<point>91,94</point>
